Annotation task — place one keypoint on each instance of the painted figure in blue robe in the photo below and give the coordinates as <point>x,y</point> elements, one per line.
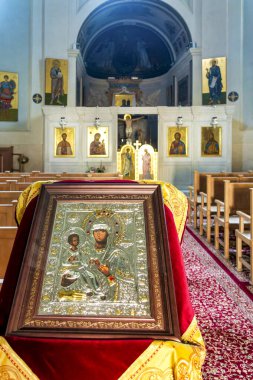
<point>213,75</point>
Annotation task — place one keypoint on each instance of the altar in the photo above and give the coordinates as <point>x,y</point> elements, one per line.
<point>181,138</point>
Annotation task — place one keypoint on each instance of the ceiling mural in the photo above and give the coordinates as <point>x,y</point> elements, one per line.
<point>125,38</point>
<point>128,51</point>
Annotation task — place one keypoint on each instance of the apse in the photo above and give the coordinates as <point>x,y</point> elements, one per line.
<point>142,39</point>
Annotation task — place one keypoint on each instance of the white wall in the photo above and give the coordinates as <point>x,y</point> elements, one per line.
<point>222,35</point>
<point>22,53</point>
<point>247,126</point>
<point>40,29</point>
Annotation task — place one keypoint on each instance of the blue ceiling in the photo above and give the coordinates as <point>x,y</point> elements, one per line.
<point>122,38</point>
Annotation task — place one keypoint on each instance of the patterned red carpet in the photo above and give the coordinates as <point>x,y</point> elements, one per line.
<point>224,310</point>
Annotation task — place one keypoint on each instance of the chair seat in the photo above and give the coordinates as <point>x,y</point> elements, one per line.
<point>233,219</point>
<point>212,209</point>
<point>191,200</point>
<point>246,234</point>
<point>199,199</point>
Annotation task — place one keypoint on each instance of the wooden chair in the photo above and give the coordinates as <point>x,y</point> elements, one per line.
<point>245,236</point>
<point>194,198</point>
<point>208,207</point>
<point>236,197</point>
<point>199,185</point>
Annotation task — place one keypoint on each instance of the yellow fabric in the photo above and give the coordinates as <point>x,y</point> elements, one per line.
<point>26,196</point>
<point>169,360</point>
<point>12,366</point>
<point>173,198</point>
<point>176,201</point>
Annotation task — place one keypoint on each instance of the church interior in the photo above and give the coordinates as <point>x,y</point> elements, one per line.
<point>126,134</point>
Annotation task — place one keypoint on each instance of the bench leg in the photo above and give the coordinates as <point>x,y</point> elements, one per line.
<point>195,217</point>
<point>251,263</point>
<point>216,235</point>
<point>200,222</point>
<point>238,254</point>
<point>189,213</point>
<point>208,227</point>
<point>226,241</point>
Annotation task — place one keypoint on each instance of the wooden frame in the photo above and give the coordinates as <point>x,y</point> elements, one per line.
<point>135,297</point>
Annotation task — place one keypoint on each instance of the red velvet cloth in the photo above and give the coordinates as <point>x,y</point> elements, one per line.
<point>58,359</point>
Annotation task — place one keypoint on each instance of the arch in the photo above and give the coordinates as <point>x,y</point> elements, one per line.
<point>154,37</point>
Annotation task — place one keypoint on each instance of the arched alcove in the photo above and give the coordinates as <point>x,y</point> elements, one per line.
<point>142,39</point>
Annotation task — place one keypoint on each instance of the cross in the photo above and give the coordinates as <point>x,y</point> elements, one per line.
<point>137,144</point>
<point>37,98</point>
<point>233,96</point>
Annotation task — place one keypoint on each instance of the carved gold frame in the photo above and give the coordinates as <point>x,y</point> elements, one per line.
<point>26,318</point>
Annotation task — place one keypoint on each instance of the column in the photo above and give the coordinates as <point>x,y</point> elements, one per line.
<point>72,57</point>
<point>196,76</point>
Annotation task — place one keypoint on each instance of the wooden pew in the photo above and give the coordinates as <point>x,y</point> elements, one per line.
<point>7,237</point>
<point>21,186</point>
<point>38,176</point>
<point>10,178</point>
<point>245,236</point>
<point>199,185</point>
<point>9,196</point>
<point>10,174</point>
<point>7,214</point>
<point>34,177</point>
<point>208,207</point>
<point>8,185</point>
<point>114,175</point>
<point>236,197</point>
<point>89,178</point>
<point>14,186</point>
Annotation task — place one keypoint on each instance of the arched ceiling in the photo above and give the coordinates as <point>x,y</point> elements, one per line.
<point>123,38</point>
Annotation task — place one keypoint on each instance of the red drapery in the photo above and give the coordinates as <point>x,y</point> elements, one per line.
<point>58,359</point>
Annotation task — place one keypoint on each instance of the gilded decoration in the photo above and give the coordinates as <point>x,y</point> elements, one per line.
<point>80,219</point>
<point>12,367</point>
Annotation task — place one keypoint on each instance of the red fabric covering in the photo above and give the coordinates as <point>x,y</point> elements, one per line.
<point>58,359</point>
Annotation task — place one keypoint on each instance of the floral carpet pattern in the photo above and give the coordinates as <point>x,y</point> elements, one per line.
<point>224,312</point>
